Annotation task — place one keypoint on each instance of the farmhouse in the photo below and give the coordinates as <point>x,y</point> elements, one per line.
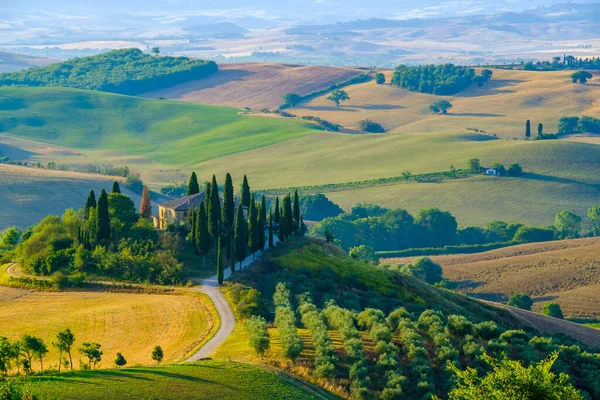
<point>176,211</point>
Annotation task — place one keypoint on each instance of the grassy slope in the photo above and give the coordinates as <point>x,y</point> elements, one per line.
<point>255,85</point>
<point>121,322</point>
<point>172,133</point>
<point>203,380</point>
<point>563,271</point>
<point>500,107</point>
<point>30,194</point>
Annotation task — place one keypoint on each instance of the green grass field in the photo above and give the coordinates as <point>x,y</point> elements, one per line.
<point>168,132</point>
<point>202,380</point>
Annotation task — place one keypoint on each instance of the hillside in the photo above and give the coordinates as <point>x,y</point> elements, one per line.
<point>357,315</point>
<point>562,271</point>
<point>11,62</point>
<point>500,107</point>
<point>202,380</point>
<point>127,71</point>
<point>255,85</point>
<point>30,194</point>
<point>129,323</point>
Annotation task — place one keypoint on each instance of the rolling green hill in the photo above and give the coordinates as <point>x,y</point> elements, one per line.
<point>203,380</point>
<point>167,132</point>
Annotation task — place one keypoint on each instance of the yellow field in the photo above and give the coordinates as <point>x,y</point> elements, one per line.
<point>121,322</point>
<point>500,107</point>
<point>567,272</point>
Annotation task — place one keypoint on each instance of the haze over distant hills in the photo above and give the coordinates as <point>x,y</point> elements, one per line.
<point>322,32</point>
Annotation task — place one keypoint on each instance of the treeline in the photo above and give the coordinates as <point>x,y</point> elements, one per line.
<point>418,355</point>
<point>566,62</point>
<point>19,355</point>
<point>446,79</point>
<point>127,71</point>
<point>583,124</point>
<point>384,230</point>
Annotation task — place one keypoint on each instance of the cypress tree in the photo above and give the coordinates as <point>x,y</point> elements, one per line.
<point>116,188</point>
<point>540,129</point>
<point>102,219</point>
<point>202,236</point>
<point>220,271</point>
<point>296,211</point>
<point>90,203</point>
<point>240,235</point>
<point>232,256</point>
<point>252,227</point>
<point>282,230</point>
<point>214,209</point>
<point>271,244</point>
<point>288,214</point>
<point>245,193</point>
<point>277,212</point>
<point>192,219</point>
<point>528,129</point>
<point>263,208</point>
<point>228,204</point>
<point>261,232</point>
<point>146,204</point>
<point>193,187</point>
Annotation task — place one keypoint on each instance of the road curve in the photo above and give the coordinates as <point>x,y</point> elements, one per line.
<point>210,287</point>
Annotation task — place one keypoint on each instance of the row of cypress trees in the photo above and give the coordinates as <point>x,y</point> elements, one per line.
<point>221,225</point>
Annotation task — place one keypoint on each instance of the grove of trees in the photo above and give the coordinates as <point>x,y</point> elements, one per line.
<point>444,79</point>
<point>126,71</point>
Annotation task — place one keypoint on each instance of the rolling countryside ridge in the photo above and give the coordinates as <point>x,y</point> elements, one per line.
<point>294,201</point>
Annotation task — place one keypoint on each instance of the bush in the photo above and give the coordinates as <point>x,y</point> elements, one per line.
<point>291,99</point>
<point>370,126</point>
<point>552,309</point>
<point>425,269</point>
<point>530,234</point>
<point>515,170</point>
<point>379,78</point>
<point>520,300</point>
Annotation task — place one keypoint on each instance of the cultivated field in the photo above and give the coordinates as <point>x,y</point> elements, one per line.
<point>202,380</point>
<point>255,85</point>
<point>500,107</point>
<point>121,322</point>
<point>567,272</point>
<point>10,62</point>
<point>30,194</point>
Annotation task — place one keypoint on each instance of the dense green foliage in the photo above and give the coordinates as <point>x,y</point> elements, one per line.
<point>567,62</point>
<point>584,124</point>
<point>520,300</point>
<point>127,248</point>
<point>370,126</point>
<point>127,71</point>
<point>316,207</point>
<point>446,79</point>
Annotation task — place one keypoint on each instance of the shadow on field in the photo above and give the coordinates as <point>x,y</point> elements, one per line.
<point>544,298</point>
<point>14,152</point>
<point>474,115</point>
<point>330,108</point>
<point>556,179</point>
<point>491,88</point>
<point>378,107</point>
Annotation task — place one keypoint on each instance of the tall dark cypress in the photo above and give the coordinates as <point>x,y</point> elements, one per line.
<point>245,193</point>
<point>263,208</point>
<point>192,219</point>
<point>220,271</point>
<point>203,240</point>
<point>261,231</point>
<point>277,210</point>
<point>102,219</point>
<point>271,244</point>
<point>193,187</point>
<point>252,226</point>
<point>296,211</point>
<point>214,209</point>
<point>240,235</point>
<point>540,129</point>
<point>282,230</point>
<point>232,256</point>
<point>288,214</point>
<point>116,188</point>
<point>90,203</point>
<point>228,204</point>
<point>528,129</point>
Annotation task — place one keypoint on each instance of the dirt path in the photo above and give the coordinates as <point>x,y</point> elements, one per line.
<point>210,287</point>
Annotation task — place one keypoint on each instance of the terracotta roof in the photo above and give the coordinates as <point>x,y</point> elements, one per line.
<point>184,203</point>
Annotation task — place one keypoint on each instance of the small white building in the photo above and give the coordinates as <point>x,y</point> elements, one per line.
<point>491,171</point>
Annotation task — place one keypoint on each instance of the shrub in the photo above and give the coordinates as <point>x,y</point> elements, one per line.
<point>368,125</point>
<point>259,334</point>
<point>292,99</point>
<point>552,309</point>
<point>530,234</point>
<point>515,170</point>
<point>520,300</point>
<point>425,269</point>
<point>379,78</point>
